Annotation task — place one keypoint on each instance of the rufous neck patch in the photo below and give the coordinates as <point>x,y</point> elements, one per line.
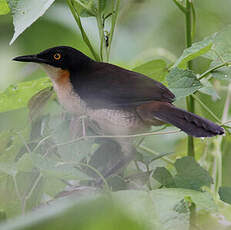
<point>63,77</point>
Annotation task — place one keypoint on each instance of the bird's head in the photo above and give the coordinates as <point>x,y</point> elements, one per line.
<point>58,58</point>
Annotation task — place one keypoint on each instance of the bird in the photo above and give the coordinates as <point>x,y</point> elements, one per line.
<point>117,100</point>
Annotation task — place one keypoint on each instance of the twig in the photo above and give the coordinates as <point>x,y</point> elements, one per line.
<point>30,192</point>
<point>90,167</point>
<point>24,142</point>
<point>17,189</point>
<point>118,136</point>
<point>212,69</point>
<point>41,141</point>
<point>154,153</point>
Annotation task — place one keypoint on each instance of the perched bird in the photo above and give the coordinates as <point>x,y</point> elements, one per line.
<point>119,101</point>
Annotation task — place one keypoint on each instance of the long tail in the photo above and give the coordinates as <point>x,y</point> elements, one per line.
<point>190,123</point>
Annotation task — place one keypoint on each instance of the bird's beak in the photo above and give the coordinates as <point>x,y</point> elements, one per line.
<point>29,58</point>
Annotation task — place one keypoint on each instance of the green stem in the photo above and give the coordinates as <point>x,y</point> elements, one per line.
<point>182,8</point>
<point>83,33</point>
<point>113,23</point>
<point>212,69</point>
<point>101,34</point>
<point>93,169</point>
<point>189,100</point>
<point>193,21</point>
<point>150,151</point>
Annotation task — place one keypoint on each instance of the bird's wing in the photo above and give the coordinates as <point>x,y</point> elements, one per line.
<point>109,86</point>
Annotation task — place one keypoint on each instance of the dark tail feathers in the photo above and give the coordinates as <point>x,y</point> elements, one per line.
<point>190,123</point>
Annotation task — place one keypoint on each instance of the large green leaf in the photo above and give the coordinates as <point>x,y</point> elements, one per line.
<point>156,69</point>
<point>25,12</point>
<point>189,175</point>
<point>154,210</point>
<point>225,194</point>
<point>221,52</point>
<point>196,50</point>
<point>4,8</point>
<point>49,167</point>
<point>163,176</point>
<point>182,82</point>
<point>86,8</point>
<point>16,97</point>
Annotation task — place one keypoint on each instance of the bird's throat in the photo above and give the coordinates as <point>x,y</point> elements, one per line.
<point>56,73</point>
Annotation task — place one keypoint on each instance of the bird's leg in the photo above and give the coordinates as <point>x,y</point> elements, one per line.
<point>75,127</point>
<point>83,125</point>
<point>126,151</point>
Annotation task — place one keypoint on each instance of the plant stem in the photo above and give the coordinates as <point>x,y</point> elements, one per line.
<point>189,99</point>
<point>212,69</point>
<point>148,150</point>
<point>182,8</point>
<point>193,21</point>
<point>101,34</point>
<point>218,146</point>
<point>90,167</point>
<point>113,23</point>
<point>83,33</point>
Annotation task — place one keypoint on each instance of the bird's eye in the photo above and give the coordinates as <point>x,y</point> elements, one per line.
<point>57,56</point>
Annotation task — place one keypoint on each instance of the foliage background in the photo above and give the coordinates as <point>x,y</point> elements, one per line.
<point>145,30</point>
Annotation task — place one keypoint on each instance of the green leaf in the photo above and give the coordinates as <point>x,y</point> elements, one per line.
<point>57,186</point>
<point>8,168</point>
<point>25,163</point>
<point>209,89</point>
<point>16,97</point>
<point>221,48</point>
<point>86,8</point>
<point>131,209</point>
<point>52,168</point>
<point>2,215</point>
<point>190,174</point>
<point>182,82</point>
<point>163,176</point>
<point>25,12</point>
<point>106,6</point>
<point>225,194</point>
<point>38,101</point>
<point>4,8</point>
<point>155,69</point>
<point>196,50</point>
<point>221,52</point>
<point>223,73</point>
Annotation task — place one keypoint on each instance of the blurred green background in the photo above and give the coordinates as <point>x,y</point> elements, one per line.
<point>146,30</point>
